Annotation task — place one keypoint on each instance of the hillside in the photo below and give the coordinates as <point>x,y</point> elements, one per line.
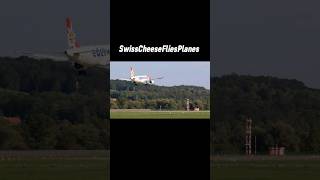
<point>126,95</point>
<point>53,108</point>
<point>284,112</point>
<point>56,115</point>
<point>30,75</point>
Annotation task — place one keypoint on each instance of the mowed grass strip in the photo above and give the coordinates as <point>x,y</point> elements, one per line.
<point>266,170</point>
<point>160,115</point>
<point>86,167</point>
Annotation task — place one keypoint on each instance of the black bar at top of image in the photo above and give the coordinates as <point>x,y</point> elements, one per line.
<point>158,23</point>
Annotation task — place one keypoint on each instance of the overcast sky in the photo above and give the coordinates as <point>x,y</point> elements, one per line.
<point>267,37</point>
<point>38,25</point>
<point>175,73</point>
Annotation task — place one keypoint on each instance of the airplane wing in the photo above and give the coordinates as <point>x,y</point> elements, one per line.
<point>52,57</point>
<point>102,66</point>
<point>124,79</point>
<point>56,56</point>
<point>157,78</point>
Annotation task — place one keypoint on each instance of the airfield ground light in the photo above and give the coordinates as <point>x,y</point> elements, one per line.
<point>188,105</point>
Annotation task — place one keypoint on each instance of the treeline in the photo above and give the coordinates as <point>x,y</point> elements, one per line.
<point>58,109</point>
<point>126,95</point>
<point>284,113</point>
<point>30,75</point>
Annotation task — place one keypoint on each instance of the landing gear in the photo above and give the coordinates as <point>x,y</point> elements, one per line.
<point>78,66</point>
<point>81,70</point>
<point>77,85</point>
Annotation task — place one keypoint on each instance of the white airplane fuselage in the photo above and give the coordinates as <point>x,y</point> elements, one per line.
<point>85,56</point>
<point>142,79</point>
<point>88,56</point>
<point>81,56</point>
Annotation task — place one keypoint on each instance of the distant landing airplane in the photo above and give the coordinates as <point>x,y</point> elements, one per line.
<point>81,57</point>
<point>143,79</point>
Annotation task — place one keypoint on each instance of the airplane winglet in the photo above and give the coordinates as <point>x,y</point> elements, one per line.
<point>68,23</point>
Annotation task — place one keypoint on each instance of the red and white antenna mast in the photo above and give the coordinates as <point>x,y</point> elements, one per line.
<point>248,144</point>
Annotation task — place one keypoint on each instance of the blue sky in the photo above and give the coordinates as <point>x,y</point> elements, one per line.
<point>175,73</point>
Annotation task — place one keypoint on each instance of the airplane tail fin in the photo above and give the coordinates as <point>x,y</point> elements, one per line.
<point>72,42</point>
<point>131,72</point>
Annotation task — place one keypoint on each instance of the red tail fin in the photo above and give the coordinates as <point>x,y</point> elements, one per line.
<point>72,42</point>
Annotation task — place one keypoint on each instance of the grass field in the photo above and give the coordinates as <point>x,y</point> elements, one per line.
<point>53,165</point>
<point>159,114</point>
<point>293,168</point>
<point>93,165</point>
